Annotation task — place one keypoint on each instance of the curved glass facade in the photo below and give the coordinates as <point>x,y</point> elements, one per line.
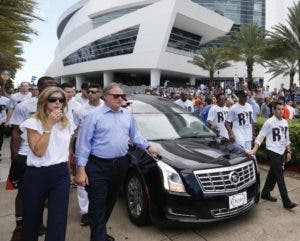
<point>240,11</point>
<point>107,17</point>
<point>119,43</point>
<point>183,40</point>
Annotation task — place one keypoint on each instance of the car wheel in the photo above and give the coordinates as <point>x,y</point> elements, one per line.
<point>136,200</point>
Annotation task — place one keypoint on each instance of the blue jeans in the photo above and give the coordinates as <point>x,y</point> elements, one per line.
<point>106,177</point>
<point>39,184</point>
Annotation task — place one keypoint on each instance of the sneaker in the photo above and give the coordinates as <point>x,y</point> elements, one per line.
<point>17,233</point>
<point>84,221</point>
<point>42,230</point>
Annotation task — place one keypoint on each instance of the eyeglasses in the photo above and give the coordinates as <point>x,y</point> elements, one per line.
<point>117,96</point>
<point>93,91</point>
<point>55,99</point>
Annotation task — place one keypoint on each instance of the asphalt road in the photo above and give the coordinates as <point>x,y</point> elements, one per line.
<point>267,221</point>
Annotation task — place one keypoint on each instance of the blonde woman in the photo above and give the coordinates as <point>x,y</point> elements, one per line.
<point>47,175</point>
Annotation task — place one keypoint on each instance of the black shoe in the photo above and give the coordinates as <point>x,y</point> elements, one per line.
<point>84,221</point>
<point>17,234</point>
<point>269,198</point>
<point>109,238</point>
<point>42,230</point>
<point>290,205</point>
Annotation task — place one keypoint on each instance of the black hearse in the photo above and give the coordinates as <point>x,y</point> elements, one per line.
<point>197,178</point>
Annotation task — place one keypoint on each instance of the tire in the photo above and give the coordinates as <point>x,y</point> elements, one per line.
<point>136,200</point>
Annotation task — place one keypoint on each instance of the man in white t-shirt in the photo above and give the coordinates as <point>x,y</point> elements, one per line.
<point>267,92</point>
<point>82,97</point>
<point>17,98</point>
<point>94,95</point>
<point>20,148</point>
<point>4,105</point>
<point>291,109</point>
<point>217,116</point>
<point>72,104</point>
<point>239,122</point>
<point>276,131</point>
<point>185,103</point>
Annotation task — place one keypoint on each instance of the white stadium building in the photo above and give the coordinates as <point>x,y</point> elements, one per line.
<point>145,42</point>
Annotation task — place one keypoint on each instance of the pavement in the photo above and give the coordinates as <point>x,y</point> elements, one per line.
<point>267,221</point>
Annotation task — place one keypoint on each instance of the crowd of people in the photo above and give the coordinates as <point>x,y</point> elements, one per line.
<point>43,118</point>
<point>234,117</point>
<point>261,98</point>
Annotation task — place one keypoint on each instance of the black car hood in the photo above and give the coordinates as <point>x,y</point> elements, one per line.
<point>199,153</point>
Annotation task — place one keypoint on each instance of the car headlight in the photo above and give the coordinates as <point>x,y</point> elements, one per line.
<point>172,180</point>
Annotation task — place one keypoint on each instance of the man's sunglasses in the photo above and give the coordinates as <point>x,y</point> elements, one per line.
<point>117,96</point>
<point>55,99</point>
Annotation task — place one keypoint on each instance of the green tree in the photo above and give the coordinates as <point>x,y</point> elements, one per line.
<point>15,19</point>
<point>284,40</point>
<point>284,67</point>
<point>209,59</point>
<point>245,45</point>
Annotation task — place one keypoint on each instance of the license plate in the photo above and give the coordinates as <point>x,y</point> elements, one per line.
<point>237,200</point>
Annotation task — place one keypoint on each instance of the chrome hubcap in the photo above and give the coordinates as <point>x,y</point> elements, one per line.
<point>135,197</point>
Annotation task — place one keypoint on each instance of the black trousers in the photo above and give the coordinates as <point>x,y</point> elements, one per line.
<point>39,184</point>
<point>106,177</point>
<point>275,175</point>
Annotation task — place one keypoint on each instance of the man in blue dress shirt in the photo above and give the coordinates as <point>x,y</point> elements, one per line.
<point>101,155</point>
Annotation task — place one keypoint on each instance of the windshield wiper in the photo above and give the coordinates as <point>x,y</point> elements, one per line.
<point>199,136</point>
<point>159,139</point>
<point>195,137</point>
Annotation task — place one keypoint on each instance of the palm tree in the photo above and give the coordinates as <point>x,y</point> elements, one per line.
<point>284,41</point>
<point>245,45</point>
<point>284,67</point>
<point>209,59</point>
<point>15,19</point>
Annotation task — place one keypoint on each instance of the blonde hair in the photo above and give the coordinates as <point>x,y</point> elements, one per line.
<point>41,113</point>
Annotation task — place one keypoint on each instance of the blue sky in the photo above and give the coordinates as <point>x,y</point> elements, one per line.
<point>39,52</point>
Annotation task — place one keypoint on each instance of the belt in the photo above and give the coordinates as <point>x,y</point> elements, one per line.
<point>109,160</point>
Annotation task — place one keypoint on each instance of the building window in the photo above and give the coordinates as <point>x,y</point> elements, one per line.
<point>119,43</point>
<point>184,41</point>
<point>239,11</point>
<point>107,17</point>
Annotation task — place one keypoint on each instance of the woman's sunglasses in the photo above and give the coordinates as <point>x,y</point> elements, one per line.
<point>55,99</point>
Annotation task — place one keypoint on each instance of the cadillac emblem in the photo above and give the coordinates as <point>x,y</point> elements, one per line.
<point>234,177</point>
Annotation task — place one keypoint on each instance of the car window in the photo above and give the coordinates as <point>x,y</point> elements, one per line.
<point>171,126</point>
